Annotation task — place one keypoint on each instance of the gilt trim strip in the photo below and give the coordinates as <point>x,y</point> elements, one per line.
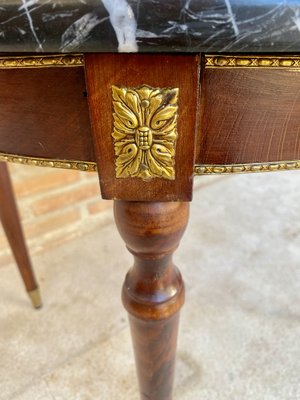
<point>200,169</point>
<point>85,166</point>
<point>210,169</point>
<point>44,61</point>
<point>251,61</point>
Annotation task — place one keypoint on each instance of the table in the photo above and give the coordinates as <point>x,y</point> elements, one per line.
<point>214,90</point>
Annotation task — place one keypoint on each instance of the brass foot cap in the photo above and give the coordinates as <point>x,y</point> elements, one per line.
<point>35,298</point>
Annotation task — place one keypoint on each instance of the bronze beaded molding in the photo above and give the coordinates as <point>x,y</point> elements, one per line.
<point>211,61</point>
<point>243,61</point>
<point>85,166</point>
<point>89,166</point>
<point>46,61</point>
<point>211,169</point>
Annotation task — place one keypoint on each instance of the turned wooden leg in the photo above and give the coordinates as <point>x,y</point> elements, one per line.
<point>153,292</point>
<point>12,227</point>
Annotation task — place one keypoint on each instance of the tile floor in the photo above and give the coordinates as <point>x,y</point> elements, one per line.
<point>240,327</point>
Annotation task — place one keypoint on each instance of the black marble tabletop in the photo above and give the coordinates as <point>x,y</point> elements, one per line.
<point>150,25</point>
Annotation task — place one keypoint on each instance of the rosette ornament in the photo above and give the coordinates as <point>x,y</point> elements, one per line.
<point>145,133</point>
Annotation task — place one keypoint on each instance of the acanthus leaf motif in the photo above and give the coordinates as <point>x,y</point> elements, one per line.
<point>145,131</point>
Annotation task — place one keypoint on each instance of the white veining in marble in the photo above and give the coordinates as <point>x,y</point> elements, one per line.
<point>150,25</point>
<point>25,6</point>
<point>232,18</point>
<point>123,21</point>
<point>296,18</point>
<point>79,31</point>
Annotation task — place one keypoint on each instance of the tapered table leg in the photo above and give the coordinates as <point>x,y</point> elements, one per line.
<point>12,227</point>
<point>153,292</point>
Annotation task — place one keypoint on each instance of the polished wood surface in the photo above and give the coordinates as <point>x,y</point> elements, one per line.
<point>153,292</point>
<point>44,113</point>
<point>249,115</point>
<point>163,71</point>
<point>13,230</point>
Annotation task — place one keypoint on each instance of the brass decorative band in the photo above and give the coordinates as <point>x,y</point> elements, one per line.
<point>211,61</point>
<point>245,168</point>
<point>202,169</point>
<point>46,162</point>
<point>61,60</point>
<point>251,61</point>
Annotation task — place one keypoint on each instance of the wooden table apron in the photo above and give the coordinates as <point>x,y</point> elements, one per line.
<point>247,113</point>
<point>147,124</point>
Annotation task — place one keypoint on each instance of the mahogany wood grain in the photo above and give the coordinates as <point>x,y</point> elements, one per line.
<point>44,113</point>
<point>249,115</point>
<point>12,227</point>
<point>134,70</point>
<point>153,292</point>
